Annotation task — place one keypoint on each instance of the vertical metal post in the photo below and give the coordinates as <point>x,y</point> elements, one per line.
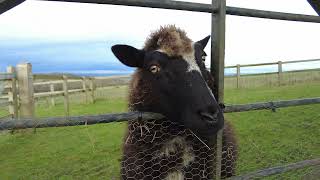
<point>26,92</point>
<point>218,47</point>
<point>217,65</point>
<point>238,75</point>
<point>13,97</point>
<point>279,73</point>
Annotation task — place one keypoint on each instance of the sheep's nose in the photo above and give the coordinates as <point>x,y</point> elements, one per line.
<point>210,115</point>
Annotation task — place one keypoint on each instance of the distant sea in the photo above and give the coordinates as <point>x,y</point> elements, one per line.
<point>97,73</point>
<point>228,71</point>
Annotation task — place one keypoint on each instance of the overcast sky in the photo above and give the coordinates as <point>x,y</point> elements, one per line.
<point>49,28</point>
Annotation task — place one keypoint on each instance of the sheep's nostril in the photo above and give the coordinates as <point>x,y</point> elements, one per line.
<point>209,117</point>
<point>215,115</point>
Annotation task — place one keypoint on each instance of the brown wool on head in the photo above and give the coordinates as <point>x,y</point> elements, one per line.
<point>170,39</point>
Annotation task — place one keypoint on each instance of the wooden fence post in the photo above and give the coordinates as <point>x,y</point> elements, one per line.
<point>217,66</point>
<point>84,87</point>
<point>26,92</point>
<point>92,88</point>
<point>66,97</point>
<point>12,94</point>
<point>279,73</point>
<point>53,103</point>
<point>238,75</point>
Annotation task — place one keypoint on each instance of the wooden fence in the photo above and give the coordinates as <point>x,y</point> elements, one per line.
<point>279,72</point>
<point>21,97</point>
<point>12,99</point>
<point>88,87</point>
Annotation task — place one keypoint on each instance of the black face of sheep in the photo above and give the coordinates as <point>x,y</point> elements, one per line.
<point>180,84</point>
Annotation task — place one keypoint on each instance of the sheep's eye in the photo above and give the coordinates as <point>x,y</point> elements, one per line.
<point>154,69</point>
<point>203,58</point>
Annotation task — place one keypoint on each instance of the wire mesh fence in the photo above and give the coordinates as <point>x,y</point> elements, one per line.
<point>166,150</point>
<point>258,140</point>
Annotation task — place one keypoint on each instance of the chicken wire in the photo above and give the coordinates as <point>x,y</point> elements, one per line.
<point>155,150</point>
<point>162,149</point>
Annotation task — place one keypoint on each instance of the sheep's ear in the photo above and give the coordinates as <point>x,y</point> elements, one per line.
<point>128,55</point>
<point>203,42</point>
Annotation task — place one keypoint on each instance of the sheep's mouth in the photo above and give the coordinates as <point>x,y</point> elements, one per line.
<point>205,124</point>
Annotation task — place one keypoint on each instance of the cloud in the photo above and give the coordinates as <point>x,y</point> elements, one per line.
<point>61,56</point>
<point>58,33</point>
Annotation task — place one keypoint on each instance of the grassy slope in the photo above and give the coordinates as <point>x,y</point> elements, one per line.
<point>93,152</point>
<point>269,139</point>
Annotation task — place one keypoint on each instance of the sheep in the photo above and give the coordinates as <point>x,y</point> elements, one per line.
<point>171,79</point>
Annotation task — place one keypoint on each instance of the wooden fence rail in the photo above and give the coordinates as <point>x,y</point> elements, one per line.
<point>273,63</point>
<point>5,103</point>
<point>56,82</point>
<point>6,76</point>
<point>91,87</point>
<point>49,94</point>
<point>11,99</point>
<point>279,72</point>
<point>12,93</point>
<point>54,76</point>
<point>88,85</point>
<point>66,91</point>
<point>21,102</point>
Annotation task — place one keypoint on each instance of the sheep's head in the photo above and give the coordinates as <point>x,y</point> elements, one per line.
<point>172,67</point>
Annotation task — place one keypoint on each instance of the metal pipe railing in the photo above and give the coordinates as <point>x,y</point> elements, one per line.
<point>119,117</point>
<point>200,7</point>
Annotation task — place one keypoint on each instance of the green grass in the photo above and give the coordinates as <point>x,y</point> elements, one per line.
<point>270,139</point>
<point>262,94</point>
<point>92,152</point>
<point>99,107</point>
<point>62,153</point>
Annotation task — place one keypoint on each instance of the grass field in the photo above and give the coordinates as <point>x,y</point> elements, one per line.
<point>92,152</point>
